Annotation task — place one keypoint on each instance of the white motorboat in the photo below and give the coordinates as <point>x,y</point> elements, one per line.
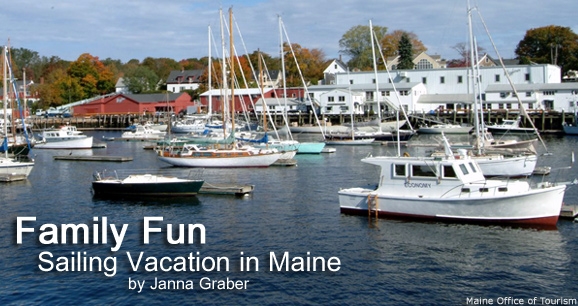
<point>143,132</point>
<point>452,189</point>
<point>65,137</point>
<point>510,126</point>
<point>445,128</point>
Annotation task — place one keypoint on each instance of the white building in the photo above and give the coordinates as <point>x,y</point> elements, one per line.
<point>451,88</point>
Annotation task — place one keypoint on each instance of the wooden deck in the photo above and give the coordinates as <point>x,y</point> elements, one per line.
<point>569,211</point>
<point>209,188</point>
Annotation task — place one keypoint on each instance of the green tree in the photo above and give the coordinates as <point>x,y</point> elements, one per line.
<point>390,43</point>
<point>356,44</point>
<point>405,51</point>
<point>549,45</point>
<point>140,79</point>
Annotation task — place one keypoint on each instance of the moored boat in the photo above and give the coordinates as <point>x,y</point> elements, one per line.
<point>147,183</point>
<point>65,137</point>
<point>454,190</point>
<point>445,128</point>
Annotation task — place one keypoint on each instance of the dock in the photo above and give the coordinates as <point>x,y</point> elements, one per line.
<point>569,211</point>
<point>238,190</point>
<point>93,158</point>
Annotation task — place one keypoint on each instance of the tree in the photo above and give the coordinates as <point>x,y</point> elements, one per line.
<point>311,63</point>
<point>464,52</point>
<point>554,45</point>
<point>390,43</point>
<point>405,52</point>
<point>356,43</point>
<point>140,79</point>
<point>92,75</point>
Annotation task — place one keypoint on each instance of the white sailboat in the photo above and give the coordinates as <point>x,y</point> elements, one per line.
<point>500,163</point>
<point>10,169</point>
<point>221,155</point>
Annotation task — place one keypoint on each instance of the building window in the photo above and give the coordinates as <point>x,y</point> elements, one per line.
<point>527,77</point>
<point>424,80</point>
<point>504,94</point>
<point>497,78</point>
<point>571,104</point>
<point>383,93</point>
<point>369,95</point>
<point>387,93</point>
<point>442,80</point>
<point>500,105</point>
<point>341,98</point>
<point>548,93</point>
<point>460,79</point>
<point>350,81</point>
<point>373,81</point>
<point>508,105</point>
<point>424,64</point>
<point>344,108</point>
<point>329,108</point>
<point>330,99</point>
<point>528,93</point>
<point>404,93</point>
<point>408,80</point>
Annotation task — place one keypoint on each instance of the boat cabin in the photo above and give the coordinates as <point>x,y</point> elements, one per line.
<point>426,177</point>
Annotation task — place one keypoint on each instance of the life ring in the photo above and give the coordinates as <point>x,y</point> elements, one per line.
<point>405,154</point>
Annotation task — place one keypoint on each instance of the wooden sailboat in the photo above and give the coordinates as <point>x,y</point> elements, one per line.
<point>10,169</point>
<point>222,156</point>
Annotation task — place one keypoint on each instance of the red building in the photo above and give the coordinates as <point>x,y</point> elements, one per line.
<point>136,104</point>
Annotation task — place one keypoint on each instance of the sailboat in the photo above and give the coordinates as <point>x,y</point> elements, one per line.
<point>11,169</point>
<point>353,137</point>
<point>507,163</point>
<point>222,156</point>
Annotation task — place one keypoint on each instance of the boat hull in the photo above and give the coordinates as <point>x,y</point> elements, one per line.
<point>310,147</point>
<point>452,130</point>
<point>508,166</point>
<point>534,207</point>
<point>570,130</point>
<point>118,188</point>
<point>9,167</point>
<point>77,143</point>
<point>259,160</point>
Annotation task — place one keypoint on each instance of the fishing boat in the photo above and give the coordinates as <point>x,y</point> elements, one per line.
<point>143,183</point>
<point>452,189</point>
<point>143,132</point>
<point>65,137</point>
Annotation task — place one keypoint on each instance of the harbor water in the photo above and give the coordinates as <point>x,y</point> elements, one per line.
<point>291,217</point>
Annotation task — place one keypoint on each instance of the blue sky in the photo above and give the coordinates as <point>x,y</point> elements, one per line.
<point>178,29</point>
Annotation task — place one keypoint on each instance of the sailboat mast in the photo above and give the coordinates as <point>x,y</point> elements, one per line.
<point>5,96</point>
<point>224,95</point>
<point>473,78</point>
<point>232,51</point>
<point>375,74</point>
<point>209,70</point>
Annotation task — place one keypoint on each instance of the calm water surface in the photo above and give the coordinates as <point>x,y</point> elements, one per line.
<point>295,210</point>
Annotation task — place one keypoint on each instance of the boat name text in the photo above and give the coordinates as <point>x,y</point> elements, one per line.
<point>417,185</point>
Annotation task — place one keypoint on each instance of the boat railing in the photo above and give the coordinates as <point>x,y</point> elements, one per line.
<point>120,174</point>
